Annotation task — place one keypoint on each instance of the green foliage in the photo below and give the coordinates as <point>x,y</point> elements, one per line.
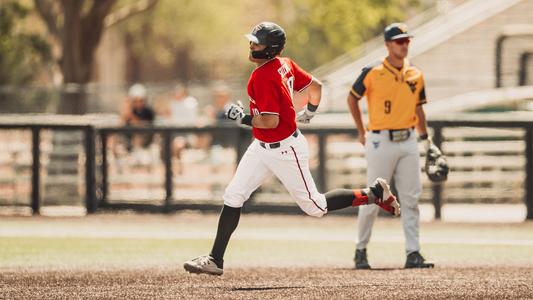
<point>208,35</point>
<point>204,37</point>
<point>21,53</point>
<point>191,40</point>
<point>324,30</point>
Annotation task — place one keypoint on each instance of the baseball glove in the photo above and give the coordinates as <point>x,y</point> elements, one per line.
<point>436,164</point>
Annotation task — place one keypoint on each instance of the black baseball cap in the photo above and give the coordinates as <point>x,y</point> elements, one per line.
<point>396,31</point>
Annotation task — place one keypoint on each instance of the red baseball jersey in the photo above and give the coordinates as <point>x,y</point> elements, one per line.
<point>270,89</point>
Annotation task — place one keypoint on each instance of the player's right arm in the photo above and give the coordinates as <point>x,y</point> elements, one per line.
<point>355,110</point>
<point>265,121</point>
<point>356,93</point>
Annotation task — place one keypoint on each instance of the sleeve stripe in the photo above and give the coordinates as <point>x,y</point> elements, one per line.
<point>305,86</point>
<point>355,94</point>
<point>421,103</point>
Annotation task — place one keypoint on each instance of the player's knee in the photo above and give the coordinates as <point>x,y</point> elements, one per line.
<point>314,209</point>
<point>314,206</point>
<point>411,205</point>
<point>233,199</point>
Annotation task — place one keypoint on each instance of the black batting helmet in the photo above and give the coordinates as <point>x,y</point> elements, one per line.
<point>269,34</point>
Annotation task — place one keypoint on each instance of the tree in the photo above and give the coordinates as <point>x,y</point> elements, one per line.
<point>78,26</point>
<point>21,53</point>
<point>323,30</point>
<point>203,40</point>
<point>191,40</point>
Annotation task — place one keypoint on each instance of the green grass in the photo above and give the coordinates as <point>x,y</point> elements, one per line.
<point>131,241</point>
<point>39,252</point>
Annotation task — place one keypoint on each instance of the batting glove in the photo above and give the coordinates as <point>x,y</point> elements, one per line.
<point>305,116</point>
<point>235,112</point>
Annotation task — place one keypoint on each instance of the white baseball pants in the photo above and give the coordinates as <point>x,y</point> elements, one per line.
<point>398,160</point>
<point>289,163</point>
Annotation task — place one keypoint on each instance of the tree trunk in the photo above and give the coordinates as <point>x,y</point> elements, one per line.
<point>78,25</point>
<point>81,36</point>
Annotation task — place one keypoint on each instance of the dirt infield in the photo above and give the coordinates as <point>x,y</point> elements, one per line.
<point>272,283</point>
<point>131,256</point>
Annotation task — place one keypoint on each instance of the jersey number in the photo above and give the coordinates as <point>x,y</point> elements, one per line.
<point>388,106</point>
<point>290,85</point>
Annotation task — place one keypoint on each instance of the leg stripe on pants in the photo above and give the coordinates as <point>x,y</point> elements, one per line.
<point>303,178</point>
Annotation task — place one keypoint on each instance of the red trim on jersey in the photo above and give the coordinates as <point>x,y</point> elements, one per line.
<point>303,178</point>
<point>360,198</point>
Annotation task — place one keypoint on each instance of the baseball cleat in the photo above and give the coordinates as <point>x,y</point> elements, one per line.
<point>204,264</point>
<point>361,261</point>
<point>387,200</point>
<point>416,260</point>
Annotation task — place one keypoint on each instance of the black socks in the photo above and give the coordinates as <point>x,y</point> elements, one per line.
<point>339,198</point>
<point>227,222</point>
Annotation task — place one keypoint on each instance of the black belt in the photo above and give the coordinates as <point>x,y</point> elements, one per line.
<point>277,144</point>
<point>378,131</point>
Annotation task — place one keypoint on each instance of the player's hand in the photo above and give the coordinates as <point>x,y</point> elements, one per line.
<point>427,144</point>
<point>235,112</point>
<point>362,138</point>
<point>305,116</point>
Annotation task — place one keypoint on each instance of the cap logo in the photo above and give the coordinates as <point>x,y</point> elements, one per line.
<point>402,27</point>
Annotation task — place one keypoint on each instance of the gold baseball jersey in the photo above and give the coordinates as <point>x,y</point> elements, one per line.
<point>392,94</point>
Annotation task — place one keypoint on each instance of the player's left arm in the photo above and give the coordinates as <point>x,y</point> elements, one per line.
<point>314,95</point>
<point>314,92</point>
<point>421,126</point>
<point>313,89</point>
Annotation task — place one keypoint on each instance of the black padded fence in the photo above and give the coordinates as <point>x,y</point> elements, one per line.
<point>514,130</point>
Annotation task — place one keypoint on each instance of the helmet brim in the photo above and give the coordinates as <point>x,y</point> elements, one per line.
<point>251,38</point>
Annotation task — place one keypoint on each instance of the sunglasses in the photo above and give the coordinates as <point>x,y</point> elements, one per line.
<point>404,41</point>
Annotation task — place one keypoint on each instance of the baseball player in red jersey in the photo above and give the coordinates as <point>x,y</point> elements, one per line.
<point>279,148</point>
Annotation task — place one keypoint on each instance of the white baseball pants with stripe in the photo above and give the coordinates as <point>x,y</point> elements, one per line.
<point>289,163</point>
<point>398,160</point>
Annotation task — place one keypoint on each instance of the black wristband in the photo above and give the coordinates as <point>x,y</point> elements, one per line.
<point>247,120</point>
<point>423,137</point>
<point>311,107</point>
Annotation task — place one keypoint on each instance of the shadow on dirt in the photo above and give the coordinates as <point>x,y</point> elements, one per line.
<point>374,269</point>
<point>266,288</point>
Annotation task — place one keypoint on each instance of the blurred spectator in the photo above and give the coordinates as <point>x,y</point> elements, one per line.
<point>137,112</point>
<point>182,110</point>
<point>221,98</point>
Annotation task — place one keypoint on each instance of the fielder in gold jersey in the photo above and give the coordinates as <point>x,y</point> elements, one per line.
<point>395,93</point>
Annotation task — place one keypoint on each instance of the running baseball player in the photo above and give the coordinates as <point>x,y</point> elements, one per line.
<point>395,93</point>
<point>279,148</point>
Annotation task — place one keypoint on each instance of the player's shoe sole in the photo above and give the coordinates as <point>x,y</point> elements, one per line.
<point>388,201</point>
<point>203,265</point>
